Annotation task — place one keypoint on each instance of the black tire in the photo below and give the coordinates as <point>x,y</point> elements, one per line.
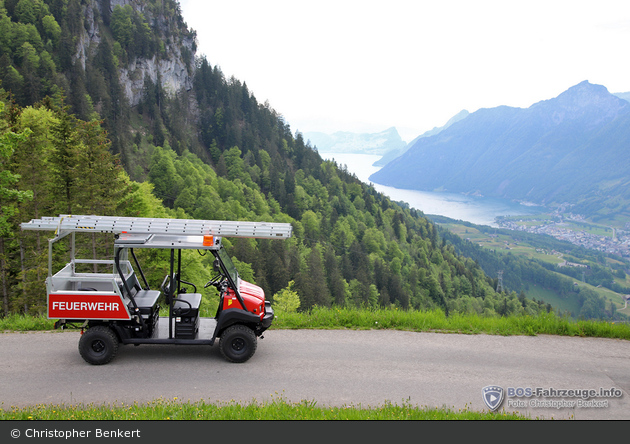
<point>98,345</point>
<point>238,343</point>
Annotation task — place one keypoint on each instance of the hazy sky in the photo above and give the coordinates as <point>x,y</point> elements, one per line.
<point>365,66</point>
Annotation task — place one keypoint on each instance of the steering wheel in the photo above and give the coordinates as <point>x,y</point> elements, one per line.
<point>216,281</point>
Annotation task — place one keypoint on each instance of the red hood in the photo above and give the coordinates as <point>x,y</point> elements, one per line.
<point>253,296</point>
<point>247,289</point>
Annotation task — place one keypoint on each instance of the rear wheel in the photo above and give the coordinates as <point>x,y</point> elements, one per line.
<point>238,343</point>
<point>98,345</point>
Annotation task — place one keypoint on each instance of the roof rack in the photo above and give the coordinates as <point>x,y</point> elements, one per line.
<point>65,224</point>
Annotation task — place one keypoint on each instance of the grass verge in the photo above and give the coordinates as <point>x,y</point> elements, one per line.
<point>427,321</point>
<point>18,322</point>
<point>276,409</point>
<point>437,321</point>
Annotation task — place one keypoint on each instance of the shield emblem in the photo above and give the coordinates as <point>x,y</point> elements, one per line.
<point>492,396</point>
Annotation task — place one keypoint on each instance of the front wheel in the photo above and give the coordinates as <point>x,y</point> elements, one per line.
<point>98,345</point>
<point>238,343</point>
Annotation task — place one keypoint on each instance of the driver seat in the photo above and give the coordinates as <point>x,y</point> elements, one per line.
<point>186,312</point>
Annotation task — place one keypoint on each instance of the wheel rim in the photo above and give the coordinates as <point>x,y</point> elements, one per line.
<point>238,345</point>
<point>98,346</point>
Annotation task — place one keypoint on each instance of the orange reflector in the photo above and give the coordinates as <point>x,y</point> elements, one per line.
<point>208,240</point>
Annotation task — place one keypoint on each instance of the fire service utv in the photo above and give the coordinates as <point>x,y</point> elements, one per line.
<point>119,307</point>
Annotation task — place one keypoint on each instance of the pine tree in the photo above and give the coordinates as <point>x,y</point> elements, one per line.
<point>63,161</point>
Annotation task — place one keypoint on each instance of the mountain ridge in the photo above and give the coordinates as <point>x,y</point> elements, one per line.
<point>538,153</point>
<point>392,154</point>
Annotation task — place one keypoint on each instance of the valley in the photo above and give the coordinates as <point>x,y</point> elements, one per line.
<point>559,257</point>
<point>532,237</point>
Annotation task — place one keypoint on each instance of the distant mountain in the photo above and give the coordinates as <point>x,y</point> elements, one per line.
<point>391,155</point>
<point>358,143</point>
<point>624,96</point>
<point>573,148</point>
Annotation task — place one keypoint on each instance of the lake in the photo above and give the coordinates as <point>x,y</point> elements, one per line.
<point>477,210</point>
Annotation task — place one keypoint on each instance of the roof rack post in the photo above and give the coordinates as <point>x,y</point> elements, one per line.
<point>50,244</point>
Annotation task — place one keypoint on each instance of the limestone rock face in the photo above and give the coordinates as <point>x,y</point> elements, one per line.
<point>172,68</point>
<point>172,73</point>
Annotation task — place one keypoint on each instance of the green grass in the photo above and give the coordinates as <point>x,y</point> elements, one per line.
<point>276,409</point>
<point>590,228</point>
<point>568,303</point>
<point>410,320</point>
<point>500,242</point>
<point>437,321</point>
<point>604,293</point>
<point>530,253</point>
<point>545,257</point>
<point>18,322</point>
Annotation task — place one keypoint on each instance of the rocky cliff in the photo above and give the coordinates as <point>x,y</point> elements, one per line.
<point>172,65</point>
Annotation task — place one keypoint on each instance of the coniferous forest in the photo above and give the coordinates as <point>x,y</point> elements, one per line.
<point>77,138</point>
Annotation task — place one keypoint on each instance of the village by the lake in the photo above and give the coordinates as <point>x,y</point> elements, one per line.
<point>572,228</point>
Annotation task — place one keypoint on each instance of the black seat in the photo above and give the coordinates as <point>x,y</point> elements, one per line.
<point>187,303</point>
<point>146,300</point>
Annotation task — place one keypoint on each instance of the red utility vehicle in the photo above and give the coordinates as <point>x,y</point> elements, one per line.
<point>119,307</point>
